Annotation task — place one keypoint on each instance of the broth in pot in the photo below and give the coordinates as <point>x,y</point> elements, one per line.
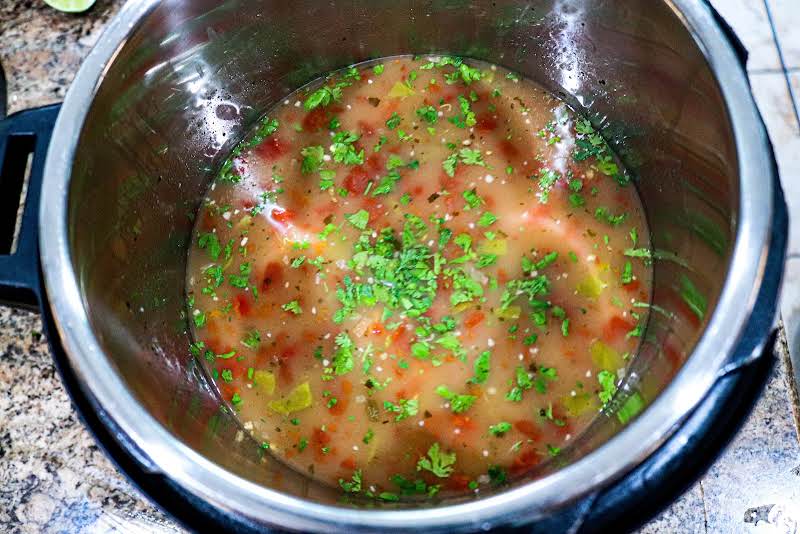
<point>419,275</point>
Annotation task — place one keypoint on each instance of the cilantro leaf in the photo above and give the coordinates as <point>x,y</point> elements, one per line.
<point>458,403</point>
<point>292,307</point>
<point>360,219</point>
<point>437,462</point>
<point>394,121</point>
<point>481,368</point>
<point>499,429</point>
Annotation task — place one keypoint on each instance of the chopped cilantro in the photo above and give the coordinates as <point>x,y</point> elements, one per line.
<point>354,484</point>
<point>394,121</point>
<point>382,141</point>
<point>387,183</point>
<point>438,462</point>
<point>471,198</point>
<point>608,385</point>
<point>458,403</point>
<point>497,475</point>
<point>293,307</point>
<point>312,159</point>
<point>487,219</point>
<point>499,429</point>
<point>428,114</point>
<point>524,383</point>
<point>485,260</point>
<point>344,150</point>
<point>603,215</point>
<point>358,219</point>
<point>449,165</point>
<point>404,408</point>
<point>211,242</point>
<point>627,273</point>
<point>378,69</point>
<point>252,339</point>
<point>343,357</point>
<point>368,436</point>
<point>547,179</point>
<point>693,298</point>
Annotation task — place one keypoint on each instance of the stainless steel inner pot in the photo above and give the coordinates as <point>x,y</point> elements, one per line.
<point>173,84</point>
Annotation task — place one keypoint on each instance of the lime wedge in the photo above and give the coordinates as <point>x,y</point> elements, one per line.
<point>70,6</point>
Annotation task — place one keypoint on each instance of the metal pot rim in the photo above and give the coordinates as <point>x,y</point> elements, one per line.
<point>103,386</point>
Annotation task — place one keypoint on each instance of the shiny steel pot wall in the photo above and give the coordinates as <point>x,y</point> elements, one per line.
<point>171,87</point>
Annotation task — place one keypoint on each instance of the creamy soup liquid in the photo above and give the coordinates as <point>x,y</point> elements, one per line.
<point>419,276</point>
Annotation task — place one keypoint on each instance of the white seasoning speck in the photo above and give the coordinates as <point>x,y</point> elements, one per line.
<point>285,102</point>
<point>226,216</point>
<point>349,106</point>
<point>456,431</point>
<point>326,157</point>
<point>490,342</point>
<point>379,369</point>
<point>471,226</point>
<point>488,178</point>
<point>492,390</point>
<point>370,82</point>
<point>326,363</point>
<point>313,310</point>
<point>485,453</point>
<point>297,104</point>
<point>589,373</point>
<point>521,356</point>
<point>568,437</point>
<point>355,447</point>
<point>591,257</point>
<point>466,142</point>
<point>421,423</point>
<point>243,242</point>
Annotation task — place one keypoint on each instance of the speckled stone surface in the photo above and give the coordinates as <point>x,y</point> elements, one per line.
<point>53,477</point>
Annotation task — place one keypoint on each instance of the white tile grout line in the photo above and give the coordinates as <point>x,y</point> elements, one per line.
<point>783,66</point>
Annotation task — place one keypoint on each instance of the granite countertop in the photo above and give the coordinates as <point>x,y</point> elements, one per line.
<point>53,477</point>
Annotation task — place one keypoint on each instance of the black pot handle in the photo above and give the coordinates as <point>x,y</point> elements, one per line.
<point>24,138</point>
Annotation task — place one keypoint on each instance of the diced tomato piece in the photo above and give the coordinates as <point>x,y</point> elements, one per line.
<point>282,216</point>
<point>242,305</point>
<point>616,329</point>
<point>485,123</point>
<point>356,181</point>
<point>528,428</point>
<point>376,329</point>
<point>366,128</point>
<point>348,463</point>
<point>458,482</point>
<point>632,287</point>
<point>508,149</point>
<point>315,120</point>
<point>342,398</point>
<point>474,319</point>
<point>375,163</point>
<point>673,355</point>
<point>320,437</point>
<point>272,148</point>
<point>464,422</point>
<point>524,462</point>
<point>273,275</point>
<point>502,276</point>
